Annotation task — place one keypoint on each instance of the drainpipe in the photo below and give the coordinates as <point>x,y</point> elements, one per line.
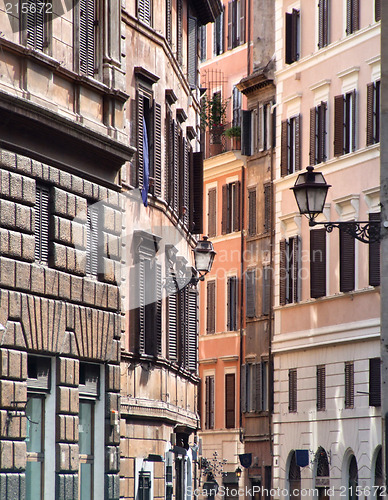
<point>242,286</point>
<point>249,59</point>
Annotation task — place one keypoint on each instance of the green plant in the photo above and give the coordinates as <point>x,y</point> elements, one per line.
<point>234,131</point>
<point>213,111</point>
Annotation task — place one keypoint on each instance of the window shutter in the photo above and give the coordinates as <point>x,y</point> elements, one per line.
<point>42,223</point>
<point>322,132</point>
<point>158,317</point>
<point>230,400</point>
<point>246,133</point>
<point>374,255</point>
<point>144,11</point>
<point>292,390</point>
<point>267,207</point>
<point>225,218</point>
<point>338,125</point>
<point>179,30</point>
<point>266,301</point>
<point>313,122</point>
<point>230,29</point>
<point>232,304</point>
<point>294,35</point>
<point>242,21</point>
<point>175,180</point>
<point>182,330</point>
<point>211,307</point>
<point>323,23</point>
<point>172,327</point>
<point>282,273</point>
<point>87,10</point>
<point>260,127</point>
<point>168,21</point>
<point>140,115</point>
<point>252,211</point>
<point>317,263</point>
<point>376,111</point>
<point>377,10</point>
<point>289,39</point>
<point>236,222</point>
<point>284,148</point>
<point>192,51</point>
<point>35,25</point>
<point>207,402</point>
<point>355,15</point>
<point>347,262</point>
<point>321,388</point>
<point>349,385</point>
<point>196,185</point>
<point>250,285</point>
<point>142,303</point>
<point>211,403</point>
<point>243,386</point>
<point>375,382</point>
<point>258,388</point>
<point>369,114</point>
<point>348,17</point>
<point>354,121</point>
<point>168,148</point>
<point>212,214</point>
<point>297,143</point>
<point>296,261</point>
<point>92,240</point>
<point>158,149</point>
<point>192,330</point>
<point>185,182</point>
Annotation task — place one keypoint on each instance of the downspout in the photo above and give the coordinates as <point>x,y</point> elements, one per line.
<point>242,286</point>
<point>249,58</point>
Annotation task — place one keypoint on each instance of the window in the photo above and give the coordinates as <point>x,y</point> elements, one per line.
<point>349,384</point>
<point>292,36</point>
<point>169,21</point>
<point>250,293</point>
<point>353,479</point>
<point>218,35</point>
<point>266,296</point>
<point>289,270</point>
<point>232,304</point>
<point>264,126</point>
<point>352,16</point>
<point>236,23</point>
<point>267,207</point>
<point>192,52</point>
<point>236,107</point>
<point>290,146</point>
<point>294,478</point>
<point>252,211</point>
<point>345,123</point>
<point>92,235</point>
<point>318,134</point>
<point>144,11</point>
<point>144,485</point>
<point>347,262</point>
<point>379,476</point>
<point>36,24</point>
<point>246,132</point>
<point>87,37</point>
<point>202,41</point>
<point>211,307</point>
<point>373,113</point>
<point>179,30</point>
<point>375,382</point>
<point>323,23</point>
<point>321,388</point>
<point>254,387</point>
<point>292,390</point>
<point>212,212</point>
<point>377,10</point>
<point>230,400</point>
<point>374,255</point>
<point>317,263</point>
<point>209,402</point>
<point>42,218</point>
<point>231,207</point>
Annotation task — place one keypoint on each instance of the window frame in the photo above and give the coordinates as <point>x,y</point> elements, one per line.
<point>292,36</point>
<point>290,145</point>
<point>292,390</point>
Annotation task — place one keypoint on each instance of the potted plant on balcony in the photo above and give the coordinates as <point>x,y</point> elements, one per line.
<point>234,134</point>
<point>213,118</point>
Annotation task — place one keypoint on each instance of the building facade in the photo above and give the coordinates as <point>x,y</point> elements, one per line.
<point>326,346</point>
<point>63,144</point>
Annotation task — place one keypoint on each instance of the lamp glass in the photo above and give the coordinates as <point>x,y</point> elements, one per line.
<point>204,255</point>
<point>310,192</point>
<point>202,261</point>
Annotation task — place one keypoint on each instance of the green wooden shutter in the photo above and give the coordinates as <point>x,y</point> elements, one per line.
<point>237,206</point>
<point>313,123</point>
<point>246,133</point>
<point>296,250</point>
<point>321,388</point>
<point>142,306</point>
<point>288,39</point>
<point>258,388</point>
<point>185,181</point>
<point>225,212</point>
<point>377,10</point>
<point>297,145</point>
<point>175,179</point>
<point>266,299</point>
<point>169,21</point>
<point>267,207</point>
<point>179,33</point>
<point>292,390</point>
<point>242,21</point>
<point>92,229</point>
<point>230,27</point>
<point>172,327</point>
<point>35,24</point>
<point>158,317</point>
<point>243,388</point>
<point>252,211</point>
<point>140,115</point>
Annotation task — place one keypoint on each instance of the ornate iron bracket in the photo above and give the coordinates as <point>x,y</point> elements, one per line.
<point>367,232</point>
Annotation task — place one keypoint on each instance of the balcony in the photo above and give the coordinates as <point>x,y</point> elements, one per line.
<point>221,139</point>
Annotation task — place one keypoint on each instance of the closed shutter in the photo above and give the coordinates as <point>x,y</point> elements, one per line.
<point>230,400</point>
<point>192,51</point>
<point>172,327</point>
<point>92,230</point>
<point>232,304</point>
<point>230,28</point>
<point>158,149</point>
<point>42,223</point>
<point>289,39</point>
<point>192,330</point>
<point>338,125</point>
<point>296,252</point>
<point>225,227</point>
<point>169,157</point>
<point>182,339</point>
<point>369,114</point>
<point>87,25</point>
<point>35,25</point>
<point>377,10</point>
<point>284,148</point>
<point>212,213</point>
<point>175,180</point>
<point>313,123</point>
<point>347,261</point>
<point>267,207</point>
<point>294,35</point>
<point>260,127</point>
<point>292,391</point>
<point>179,30</point>
<point>349,385</point>
<point>375,382</point>
<point>267,280</point>
<point>282,272</point>
<point>242,22</point>
<point>252,211</point>
<point>169,21</point>
<point>246,133</point>
<point>354,121</point>
<point>158,317</point>
<point>186,182</point>
<point>258,388</point>
<point>298,163</point>
<point>237,209</point>
<point>355,15</point>
<point>209,403</point>
<point>323,23</point>
<point>317,263</point>
<point>211,307</point>
<point>142,304</point>
<point>196,185</point>
<point>321,132</point>
<point>144,11</point>
<point>140,156</point>
<point>243,388</point>
<point>250,293</point>
<point>374,255</point>
<point>349,17</point>
<point>321,388</point>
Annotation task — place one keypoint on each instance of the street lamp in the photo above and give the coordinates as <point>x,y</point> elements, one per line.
<point>204,254</point>
<point>238,472</point>
<point>310,190</point>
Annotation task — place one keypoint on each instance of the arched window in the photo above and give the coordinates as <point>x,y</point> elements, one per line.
<point>322,481</point>
<point>353,478</point>
<point>379,475</point>
<point>294,478</point>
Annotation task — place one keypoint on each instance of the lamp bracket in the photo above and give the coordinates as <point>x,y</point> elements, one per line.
<point>367,232</point>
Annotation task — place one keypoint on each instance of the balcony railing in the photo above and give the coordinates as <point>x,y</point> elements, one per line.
<point>216,141</point>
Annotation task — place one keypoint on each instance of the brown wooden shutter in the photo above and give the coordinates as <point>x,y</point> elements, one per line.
<point>186,182</point>
<point>321,27</point>
<point>317,263</point>
<point>369,114</point>
<point>292,390</point>
<point>237,207</point>
<point>36,20</point>
<point>288,39</point>
<point>295,269</point>
<point>375,382</point>
<point>225,212</point>
<point>92,240</point>
<point>140,115</point>
<point>158,149</point>
<point>321,388</point>
<point>354,121</point>
<point>42,223</point>
<point>142,304</point>
<point>179,32</point>
<point>374,255</point>
<point>242,22</point>
<point>192,55</point>
<point>355,15</point>
<point>347,262</point>
<point>267,207</point>
<point>211,403</point>
<point>230,400</point>
<point>298,138</point>
<point>282,273</point>
<point>267,281</point>
<point>243,388</point>
<point>192,332</point>
<point>196,185</point>
<point>377,10</point>
<point>207,403</point>
<point>349,384</point>
<point>169,21</point>
<point>230,28</point>
<point>158,317</point>
<point>172,308</point>
<point>252,211</point>
<point>211,307</point>
<point>246,132</point>
<point>250,286</point>
<point>294,34</point>
<point>322,132</point>
<point>348,17</point>
<point>338,125</point>
<point>313,120</point>
<point>258,387</point>
<point>284,148</point>
<point>212,213</point>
